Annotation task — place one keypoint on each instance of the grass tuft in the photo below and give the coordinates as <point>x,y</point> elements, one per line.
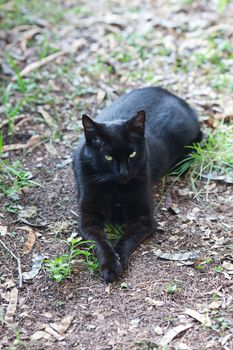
<point>211,160</point>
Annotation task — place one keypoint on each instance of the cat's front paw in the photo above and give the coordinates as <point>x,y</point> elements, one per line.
<point>111,269</point>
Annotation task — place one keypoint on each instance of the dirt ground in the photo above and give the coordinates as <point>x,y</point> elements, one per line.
<point>107,48</point>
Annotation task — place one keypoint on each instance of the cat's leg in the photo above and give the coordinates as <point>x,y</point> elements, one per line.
<point>91,226</point>
<point>137,230</point>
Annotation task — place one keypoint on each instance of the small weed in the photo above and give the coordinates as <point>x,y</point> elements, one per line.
<point>171,289</point>
<point>62,266</point>
<point>13,179</point>
<point>218,268</point>
<point>10,110</point>
<point>201,265</point>
<point>221,324</point>
<point>216,296</point>
<point>222,4</point>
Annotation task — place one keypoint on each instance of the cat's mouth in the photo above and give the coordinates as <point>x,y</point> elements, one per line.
<point>123,180</point>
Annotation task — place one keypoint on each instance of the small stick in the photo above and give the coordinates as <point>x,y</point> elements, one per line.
<point>18,262</point>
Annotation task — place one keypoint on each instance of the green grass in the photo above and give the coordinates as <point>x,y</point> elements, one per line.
<point>13,179</point>
<point>62,266</point>
<point>114,232</point>
<point>212,159</point>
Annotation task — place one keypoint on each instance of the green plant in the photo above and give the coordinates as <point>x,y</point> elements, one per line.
<point>62,266</point>
<point>9,109</point>
<point>221,324</point>
<point>222,5</point>
<point>114,232</point>
<point>13,178</point>
<point>218,268</point>
<point>211,159</point>
<point>171,289</point>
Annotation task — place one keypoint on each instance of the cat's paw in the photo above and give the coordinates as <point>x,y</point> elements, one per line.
<point>111,269</point>
<point>123,255</point>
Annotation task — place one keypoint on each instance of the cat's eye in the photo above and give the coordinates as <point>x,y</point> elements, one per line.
<point>132,155</point>
<point>108,157</point>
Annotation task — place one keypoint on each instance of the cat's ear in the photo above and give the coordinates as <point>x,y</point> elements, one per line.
<point>93,131</point>
<point>90,127</point>
<point>135,127</point>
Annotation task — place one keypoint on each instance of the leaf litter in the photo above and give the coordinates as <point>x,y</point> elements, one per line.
<point>116,53</point>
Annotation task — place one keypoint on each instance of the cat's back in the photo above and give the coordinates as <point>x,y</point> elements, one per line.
<point>153,100</point>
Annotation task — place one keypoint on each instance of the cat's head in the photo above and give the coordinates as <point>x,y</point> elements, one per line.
<point>116,151</point>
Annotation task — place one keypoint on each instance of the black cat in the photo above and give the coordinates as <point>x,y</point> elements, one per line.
<point>130,145</point>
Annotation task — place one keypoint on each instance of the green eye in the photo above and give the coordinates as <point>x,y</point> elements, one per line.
<point>132,155</point>
<point>108,157</point>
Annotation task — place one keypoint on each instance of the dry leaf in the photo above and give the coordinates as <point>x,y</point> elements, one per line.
<point>47,117</point>
<point>51,149</point>
<point>203,319</point>
<point>40,335</point>
<point>154,302</point>
<point>31,239</point>
<point>172,333</point>
<point>37,64</point>
<point>227,265</point>
<point>158,330</point>
<point>36,266</point>
<point>100,96</point>
<point>176,256</point>
<point>34,140</point>
<point>27,213</point>
<point>3,230</point>
<point>214,305</point>
<point>29,34</point>
<point>11,306</point>
<point>8,284</point>
<point>51,331</point>
<point>64,325</point>
<point>77,44</point>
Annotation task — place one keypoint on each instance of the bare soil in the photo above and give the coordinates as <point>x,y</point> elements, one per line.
<point>137,311</point>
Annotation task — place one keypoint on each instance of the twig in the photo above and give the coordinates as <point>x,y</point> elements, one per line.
<point>18,262</point>
<point>76,45</point>
<point>31,67</point>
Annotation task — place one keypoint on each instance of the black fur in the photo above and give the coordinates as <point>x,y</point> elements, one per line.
<point>155,124</point>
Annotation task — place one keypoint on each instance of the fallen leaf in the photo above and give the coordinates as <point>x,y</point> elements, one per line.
<point>176,256</point>
<point>214,305</point>
<point>8,284</point>
<point>36,266</point>
<point>100,96</point>
<point>227,265</point>
<point>29,34</point>
<point>34,140</point>
<point>11,306</point>
<point>158,330</point>
<point>52,332</point>
<point>77,44</point>
<point>51,149</point>
<point>3,230</point>
<point>31,239</point>
<point>172,333</point>
<point>27,213</point>
<point>203,319</point>
<point>64,325</point>
<point>40,335</point>
<point>154,302</point>
<point>47,117</point>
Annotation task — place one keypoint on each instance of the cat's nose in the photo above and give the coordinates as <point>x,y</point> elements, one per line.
<point>123,172</point>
